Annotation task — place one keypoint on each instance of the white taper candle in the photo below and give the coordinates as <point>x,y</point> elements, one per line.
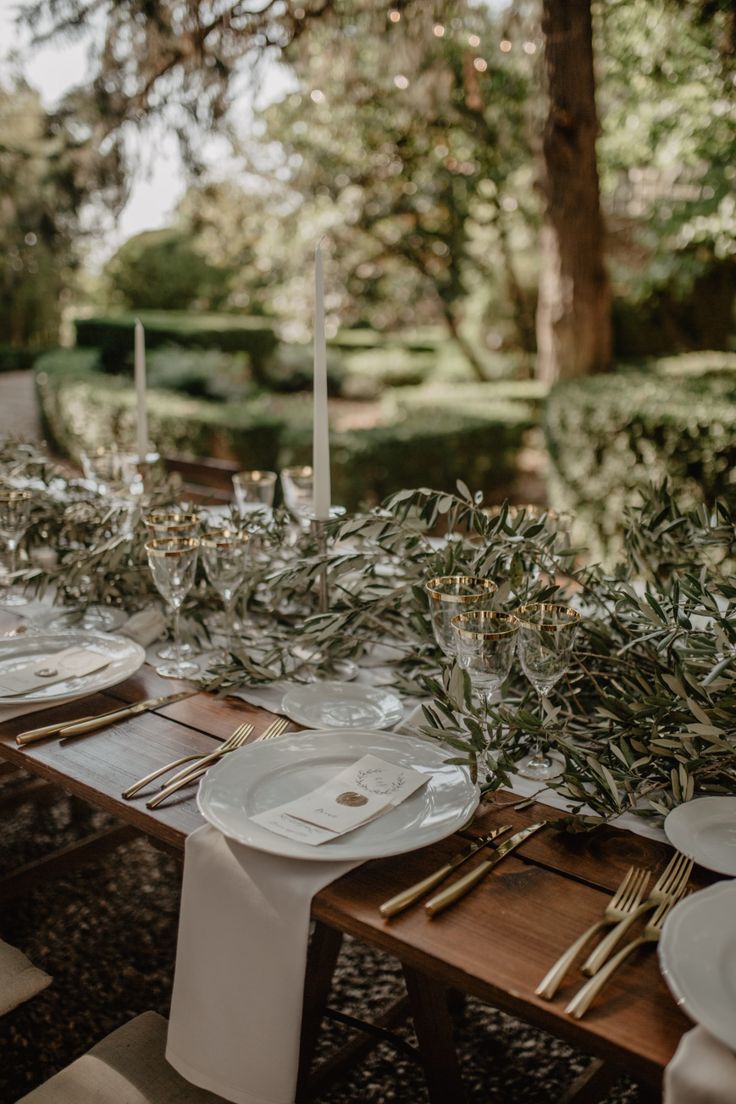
<point>321,428</point>
<point>140,390</point>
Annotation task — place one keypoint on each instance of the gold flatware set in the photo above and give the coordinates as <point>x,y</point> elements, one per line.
<point>195,772</point>
<point>625,907</point>
<point>447,897</point>
<point>199,763</point>
<point>99,720</point>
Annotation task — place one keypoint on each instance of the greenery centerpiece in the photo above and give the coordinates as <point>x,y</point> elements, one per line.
<point>645,716</point>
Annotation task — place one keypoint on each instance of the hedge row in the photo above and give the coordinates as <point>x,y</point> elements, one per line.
<point>113,335</point>
<point>422,445</point>
<point>611,436</point>
<point>81,409</point>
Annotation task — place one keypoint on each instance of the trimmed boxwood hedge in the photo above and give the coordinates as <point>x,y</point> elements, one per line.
<point>113,335</point>
<point>81,408</point>
<point>609,437</point>
<point>427,444</point>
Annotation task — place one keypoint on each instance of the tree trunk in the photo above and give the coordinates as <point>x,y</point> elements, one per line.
<point>574,310</point>
<point>465,347</point>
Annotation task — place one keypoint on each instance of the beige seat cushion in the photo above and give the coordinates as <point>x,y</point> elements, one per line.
<point>19,979</point>
<point>127,1067</point>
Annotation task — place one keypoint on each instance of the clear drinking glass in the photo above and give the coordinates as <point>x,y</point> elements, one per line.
<point>15,516</point>
<point>101,467</point>
<point>546,640</point>
<point>173,563</point>
<point>449,595</point>
<point>485,644</point>
<point>225,559</point>
<point>172,523</point>
<point>254,490</point>
<point>297,486</point>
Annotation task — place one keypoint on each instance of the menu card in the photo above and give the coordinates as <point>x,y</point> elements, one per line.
<point>355,796</point>
<point>44,670</point>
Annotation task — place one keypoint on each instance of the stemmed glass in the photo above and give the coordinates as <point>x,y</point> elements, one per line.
<point>15,515</point>
<point>485,643</point>
<point>173,563</point>
<point>225,559</point>
<point>172,523</point>
<point>449,595</point>
<point>546,640</point>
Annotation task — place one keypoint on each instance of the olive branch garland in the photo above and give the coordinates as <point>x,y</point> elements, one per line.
<point>646,714</point>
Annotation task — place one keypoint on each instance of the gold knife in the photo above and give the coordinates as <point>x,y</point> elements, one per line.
<point>76,728</point>
<point>407,897</point>
<point>458,889</point>
<point>96,721</point>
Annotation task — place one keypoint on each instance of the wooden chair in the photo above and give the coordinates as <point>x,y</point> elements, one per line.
<point>127,1067</point>
<point>206,481</point>
<point>19,979</point>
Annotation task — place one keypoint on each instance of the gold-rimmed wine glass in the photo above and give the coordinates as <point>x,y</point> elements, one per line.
<point>485,643</point>
<point>547,635</point>
<point>225,559</point>
<point>449,595</point>
<point>15,516</point>
<point>173,564</point>
<point>172,523</point>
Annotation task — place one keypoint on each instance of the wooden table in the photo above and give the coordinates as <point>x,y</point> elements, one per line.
<point>496,944</point>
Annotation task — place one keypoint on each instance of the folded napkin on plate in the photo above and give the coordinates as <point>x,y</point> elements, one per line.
<point>144,627</point>
<point>703,1071</point>
<point>239,981</point>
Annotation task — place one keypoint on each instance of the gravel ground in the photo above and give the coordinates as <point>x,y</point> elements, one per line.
<point>107,935</point>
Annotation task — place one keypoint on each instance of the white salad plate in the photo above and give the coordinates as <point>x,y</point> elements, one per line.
<point>123,656</point>
<point>705,830</point>
<point>342,705</point>
<point>697,956</point>
<point>260,776</point>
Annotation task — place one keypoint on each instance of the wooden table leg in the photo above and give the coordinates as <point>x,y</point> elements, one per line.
<point>324,947</point>
<point>430,1011</point>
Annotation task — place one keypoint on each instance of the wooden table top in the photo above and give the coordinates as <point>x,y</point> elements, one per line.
<point>496,944</point>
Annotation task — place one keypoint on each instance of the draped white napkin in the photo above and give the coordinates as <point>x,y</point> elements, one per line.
<point>236,1009</point>
<point>703,1071</point>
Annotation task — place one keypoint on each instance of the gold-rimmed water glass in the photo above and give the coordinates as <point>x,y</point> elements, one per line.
<point>173,564</point>
<point>172,523</point>
<point>485,643</point>
<point>15,516</point>
<point>254,490</point>
<point>225,559</point>
<point>547,635</point>
<point>449,595</point>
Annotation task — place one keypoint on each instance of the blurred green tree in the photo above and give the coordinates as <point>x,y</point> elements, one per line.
<point>48,174</point>
<point>162,269</point>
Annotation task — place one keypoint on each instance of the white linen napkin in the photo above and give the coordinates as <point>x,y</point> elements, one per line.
<point>703,1071</point>
<point>236,1010</point>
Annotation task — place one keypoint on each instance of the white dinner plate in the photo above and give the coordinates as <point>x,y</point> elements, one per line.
<point>697,956</point>
<point>262,775</point>
<point>340,705</point>
<point>124,658</point>
<point>705,830</point>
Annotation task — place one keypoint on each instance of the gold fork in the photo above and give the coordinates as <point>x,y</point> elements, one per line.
<point>670,885</point>
<point>191,774</point>
<point>276,728</point>
<point>142,782</point>
<point>585,996</point>
<point>625,900</point>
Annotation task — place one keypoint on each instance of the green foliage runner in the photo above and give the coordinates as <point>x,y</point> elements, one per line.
<point>646,715</point>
